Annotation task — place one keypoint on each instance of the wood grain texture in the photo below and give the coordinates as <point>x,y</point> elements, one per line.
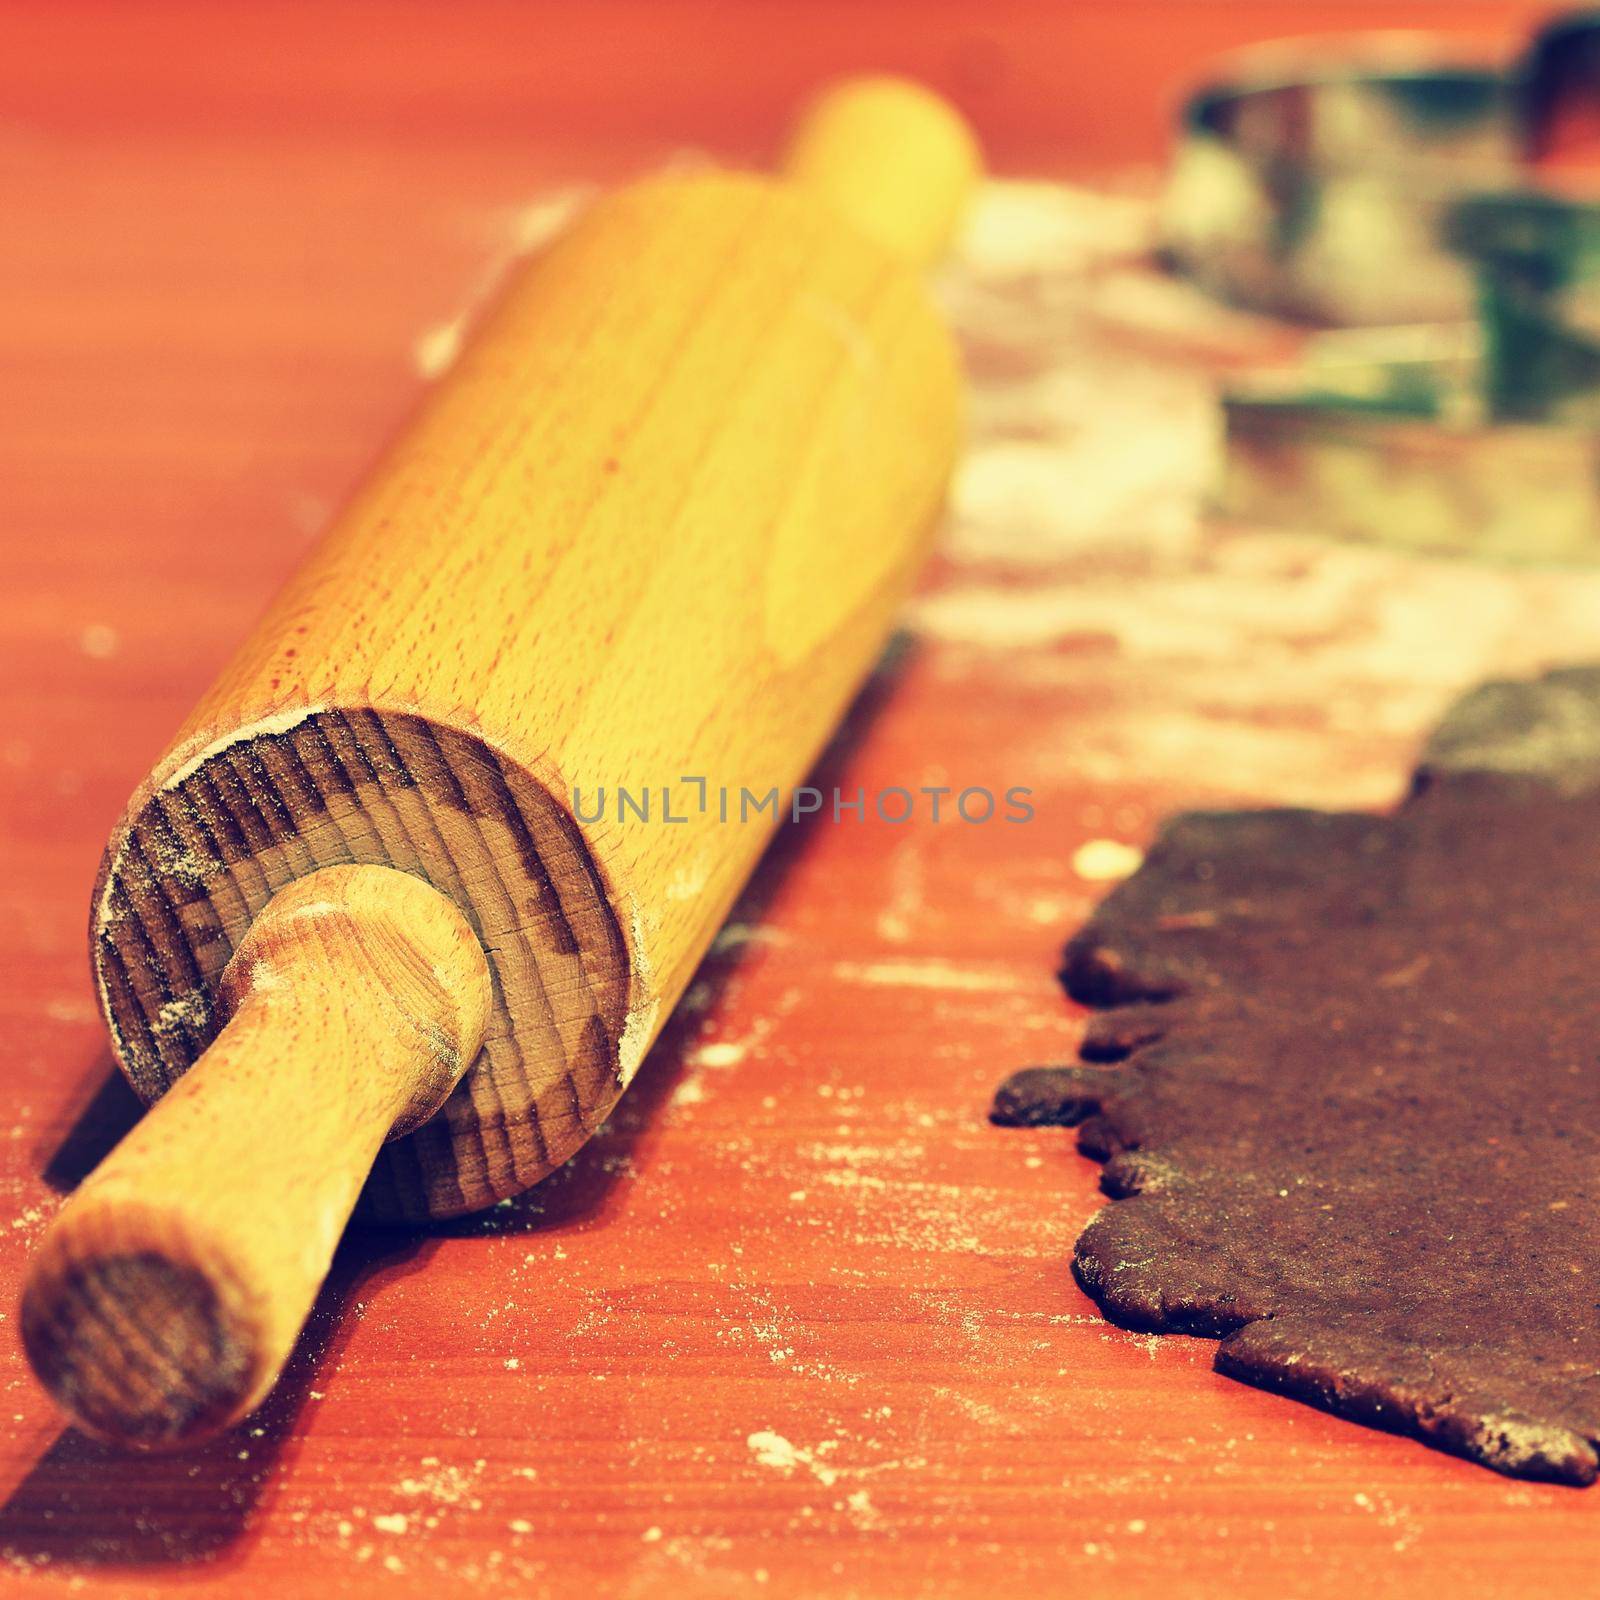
<point>165,1299</point>
<point>227,229</point>
<point>649,531</point>
<point>204,855</point>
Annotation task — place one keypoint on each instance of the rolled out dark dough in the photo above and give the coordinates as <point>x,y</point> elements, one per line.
<point>1353,1124</point>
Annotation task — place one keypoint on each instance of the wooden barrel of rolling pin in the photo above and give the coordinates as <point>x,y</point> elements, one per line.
<point>652,527</point>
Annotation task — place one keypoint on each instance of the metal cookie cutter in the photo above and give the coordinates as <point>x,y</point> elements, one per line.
<point>1316,183</point>
<point>1439,214</point>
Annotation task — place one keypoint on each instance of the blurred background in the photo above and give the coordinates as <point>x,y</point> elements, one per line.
<point>1073,83</point>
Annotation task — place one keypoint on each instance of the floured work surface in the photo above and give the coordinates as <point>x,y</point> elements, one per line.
<point>797,1323</point>
<point>1355,1130</point>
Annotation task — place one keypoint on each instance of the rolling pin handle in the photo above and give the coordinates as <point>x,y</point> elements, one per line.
<point>167,1295</point>
<point>892,158</point>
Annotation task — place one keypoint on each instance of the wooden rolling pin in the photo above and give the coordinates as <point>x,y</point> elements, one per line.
<point>652,527</point>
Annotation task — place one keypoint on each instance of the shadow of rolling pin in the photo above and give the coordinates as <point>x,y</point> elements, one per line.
<point>355,933</point>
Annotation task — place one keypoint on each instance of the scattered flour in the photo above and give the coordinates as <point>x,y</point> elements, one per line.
<point>99,641</point>
<point>773,1450</point>
<point>931,973</point>
<point>1106,860</point>
<point>515,234</point>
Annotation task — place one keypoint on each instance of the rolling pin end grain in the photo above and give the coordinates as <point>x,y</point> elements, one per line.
<point>137,1349</point>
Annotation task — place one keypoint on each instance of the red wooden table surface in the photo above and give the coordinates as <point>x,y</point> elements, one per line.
<point>800,1322</point>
